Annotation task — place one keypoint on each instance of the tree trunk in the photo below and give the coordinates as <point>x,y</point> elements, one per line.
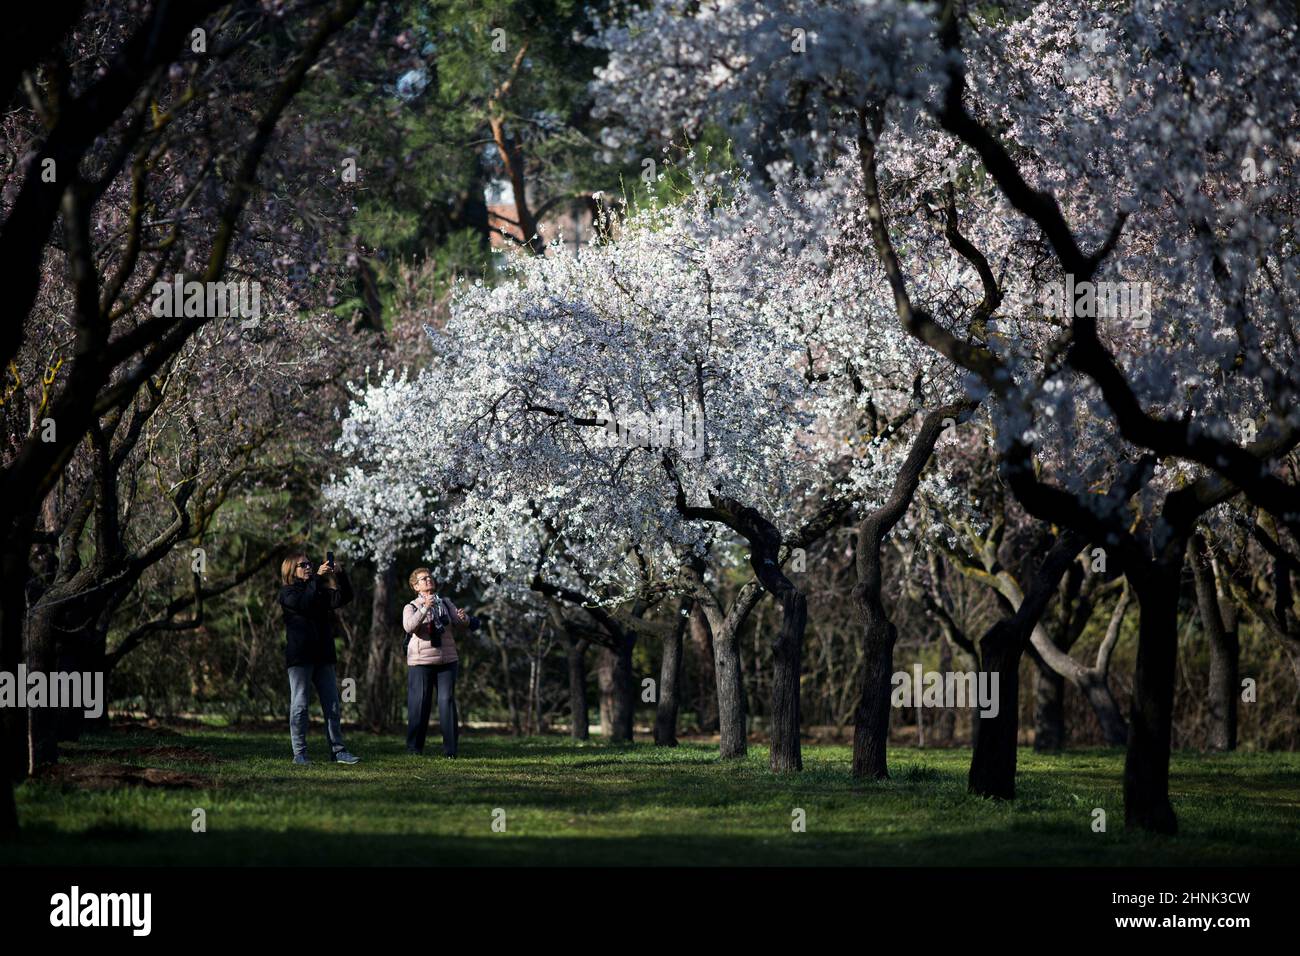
<point>871,718</point>
<point>872,713</point>
<point>511,705</point>
<point>578,688</point>
<point>1146,765</point>
<point>605,687</point>
<point>725,630</point>
<point>1092,682</point>
<point>993,763</point>
<point>706,698</point>
<point>42,722</point>
<point>1104,707</point>
<point>945,724</point>
<point>786,754</point>
<point>1049,708</point>
<point>535,719</point>
<point>13,721</point>
<point>670,671</point>
<point>379,706</point>
<point>624,688</point>
<point>85,651</point>
<point>1225,652</point>
<point>731,697</point>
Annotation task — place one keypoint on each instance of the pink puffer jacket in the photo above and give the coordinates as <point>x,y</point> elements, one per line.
<point>424,647</point>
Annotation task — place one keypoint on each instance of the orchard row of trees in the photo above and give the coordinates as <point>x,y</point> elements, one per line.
<point>869,346</point>
<point>908,311</point>
<point>334,152</point>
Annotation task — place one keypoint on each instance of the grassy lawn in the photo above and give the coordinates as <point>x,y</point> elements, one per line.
<point>595,804</point>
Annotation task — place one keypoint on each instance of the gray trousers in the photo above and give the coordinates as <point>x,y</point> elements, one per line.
<point>420,679</point>
<point>300,681</point>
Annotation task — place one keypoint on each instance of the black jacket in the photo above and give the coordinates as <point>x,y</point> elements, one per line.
<point>309,619</point>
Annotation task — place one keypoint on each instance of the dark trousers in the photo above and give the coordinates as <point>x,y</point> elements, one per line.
<point>419,702</point>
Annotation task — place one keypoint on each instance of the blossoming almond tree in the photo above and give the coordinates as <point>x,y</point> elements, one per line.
<point>681,382</point>
<point>1080,145</point>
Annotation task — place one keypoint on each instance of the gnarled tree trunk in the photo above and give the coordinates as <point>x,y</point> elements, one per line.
<point>993,764</point>
<point>1092,682</point>
<point>871,716</point>
<point>725,628</point>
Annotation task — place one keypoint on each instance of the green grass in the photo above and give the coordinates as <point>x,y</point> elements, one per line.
<point>598,804</point>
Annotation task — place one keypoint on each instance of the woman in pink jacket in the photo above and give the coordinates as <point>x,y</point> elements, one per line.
<point>431,658</point>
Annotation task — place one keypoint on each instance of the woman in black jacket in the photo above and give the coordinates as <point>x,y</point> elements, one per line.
<point>309,606</point>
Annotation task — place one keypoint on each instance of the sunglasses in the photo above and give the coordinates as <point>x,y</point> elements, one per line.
<point>304,564</point>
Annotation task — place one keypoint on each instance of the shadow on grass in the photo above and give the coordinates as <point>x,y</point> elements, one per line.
<point>107,845</point>
<point>1009,845</point>
<point>574,803</point>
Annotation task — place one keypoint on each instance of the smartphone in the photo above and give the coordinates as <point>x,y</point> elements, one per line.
<point>329,559</point>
